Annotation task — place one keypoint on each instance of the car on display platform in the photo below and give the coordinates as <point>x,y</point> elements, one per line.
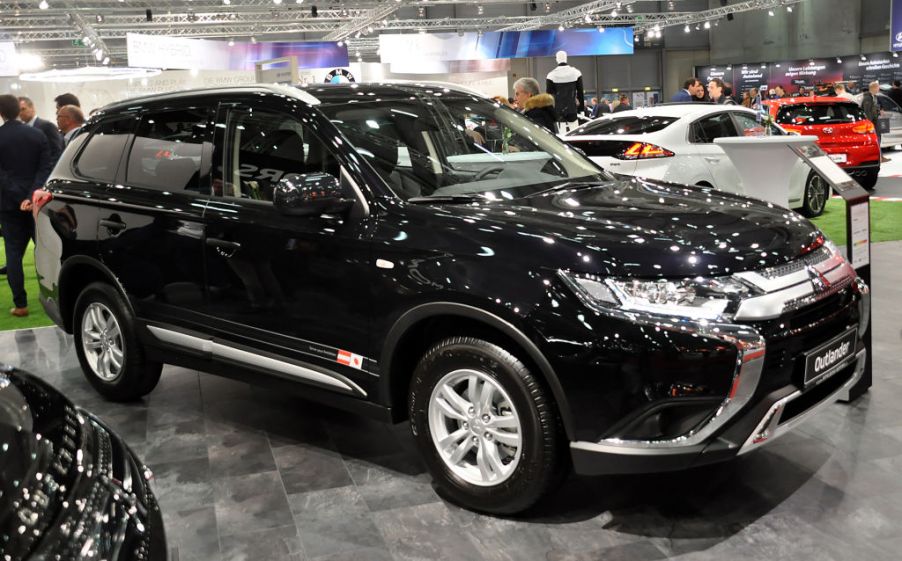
<point>70,488</point>
<point>842,129</point>
<point>526,311</point>
<point>675,143</point>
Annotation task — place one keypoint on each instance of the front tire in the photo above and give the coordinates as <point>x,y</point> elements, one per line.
<point>817,193</point>
<point>485,426</point>
<point>108,350</point>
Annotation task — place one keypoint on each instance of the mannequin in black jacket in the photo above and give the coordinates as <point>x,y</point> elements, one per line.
<point>565,83</point>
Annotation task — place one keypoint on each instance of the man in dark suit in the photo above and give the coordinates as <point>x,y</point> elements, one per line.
<point>689,91</point>
<point>24,166</point>
<point>28,115</point>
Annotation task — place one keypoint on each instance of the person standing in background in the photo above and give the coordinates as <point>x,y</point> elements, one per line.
<point>537,107</point>
<point>716,92</point>
<point>895,93</point>
<point>24,167</point>
<point>565,83</point>
<point>69,119</point>
<point>871,108</point>
<point>689,92</point>
<point>66,99</point>
<point>839,90</point>
<point>604,106</point>
<point>28,115</point>
<point>624,104</point>
<point>592,108</point>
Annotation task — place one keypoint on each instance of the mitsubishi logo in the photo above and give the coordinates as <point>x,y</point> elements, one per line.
<point>818,280</point>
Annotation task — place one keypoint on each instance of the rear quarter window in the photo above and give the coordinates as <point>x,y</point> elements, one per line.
<point>819,114</point>
<point>626,125</point>
<point>99,160</point>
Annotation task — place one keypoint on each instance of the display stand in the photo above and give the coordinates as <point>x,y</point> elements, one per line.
<point>858,238</point>
<point>764,164</point>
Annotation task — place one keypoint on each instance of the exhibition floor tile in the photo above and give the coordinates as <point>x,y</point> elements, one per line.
<point>246,473</point>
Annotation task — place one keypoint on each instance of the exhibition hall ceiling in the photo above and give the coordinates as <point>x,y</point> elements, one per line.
<point>66,33</point>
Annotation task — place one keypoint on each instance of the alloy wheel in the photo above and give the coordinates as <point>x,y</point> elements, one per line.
<point>101,340</point>
<point>817,193</point>
<point>475,427</point>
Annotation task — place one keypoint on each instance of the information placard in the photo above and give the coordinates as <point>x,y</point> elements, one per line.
<point>860,235</point>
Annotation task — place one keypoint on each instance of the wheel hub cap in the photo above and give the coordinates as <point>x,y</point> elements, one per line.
<point>101,341</point>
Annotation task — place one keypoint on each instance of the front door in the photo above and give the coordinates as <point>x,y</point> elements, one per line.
<point>292,288</point>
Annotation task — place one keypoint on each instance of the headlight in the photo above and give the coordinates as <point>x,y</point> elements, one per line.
<point>697,298</point>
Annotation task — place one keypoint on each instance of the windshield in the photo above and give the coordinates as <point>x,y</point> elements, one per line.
<point>626,125</point>
<point>443,143</point>
<point>820,114</point>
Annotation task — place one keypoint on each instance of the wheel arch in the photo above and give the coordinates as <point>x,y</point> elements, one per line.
<point>78,272</point>
<point>410,335</point>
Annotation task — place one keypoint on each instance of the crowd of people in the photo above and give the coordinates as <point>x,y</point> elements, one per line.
<point>29,148</point>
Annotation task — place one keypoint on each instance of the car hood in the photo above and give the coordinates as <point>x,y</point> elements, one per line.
<point>644,228</point>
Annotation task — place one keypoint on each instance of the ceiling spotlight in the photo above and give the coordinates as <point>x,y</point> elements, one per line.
<point>253,40</point>
<point>43,5</point>
<point>421,12</point>
<point>613,13</point>
<point>789,9</point>
<point>533,7</point>
<point>106,60</point>
<point>770,13</point>
<point>226,2</point>
<point>547,7</point>
<point>629,8</point>
<point>838,60</point>
<point>276,2</point>
<point>588,18</point>
<point>560,27</point>
<point>895,55</point>
<point>863,57</point>
<point>707,25</point>
<point>601,29</point>
<point>480,9</point>
<point>341,43</point>
<point>99,18</point>
<point>687,29</point>
<point>298,1</point>
<point>231,42</point>
<point>670,5</point>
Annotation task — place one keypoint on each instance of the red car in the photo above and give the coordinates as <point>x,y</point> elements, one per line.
<point>843,132</point>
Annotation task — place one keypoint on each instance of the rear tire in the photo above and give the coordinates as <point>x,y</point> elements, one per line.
<point>108,350</point>
<point>817,193</point>
<point>485,426</point>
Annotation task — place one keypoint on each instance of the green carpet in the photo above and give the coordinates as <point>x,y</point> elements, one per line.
<point>36,317</point>
<point>886,225</point>
<point>886,221</point>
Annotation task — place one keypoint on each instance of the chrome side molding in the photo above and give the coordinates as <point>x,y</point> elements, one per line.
<point>218,350</point>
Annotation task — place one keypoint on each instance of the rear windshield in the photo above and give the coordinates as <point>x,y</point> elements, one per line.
<point>626,125</point>
<point>820,114</point>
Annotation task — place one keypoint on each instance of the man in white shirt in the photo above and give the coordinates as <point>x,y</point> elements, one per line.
<point>840,90</point>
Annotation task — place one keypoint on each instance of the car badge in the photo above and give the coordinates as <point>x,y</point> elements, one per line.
<point>820,282</point>
<point>828,130</point>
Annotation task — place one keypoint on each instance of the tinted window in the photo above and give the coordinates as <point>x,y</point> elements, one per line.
<point>888,104</point>
<point>820,114</point>
<point>100,158</point>
<point>716,126</point>
<point>166,154</point>
<point>626,125</point>
<point>263,147</point>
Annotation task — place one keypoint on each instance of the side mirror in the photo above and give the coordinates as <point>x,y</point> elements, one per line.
<point>310,194</point>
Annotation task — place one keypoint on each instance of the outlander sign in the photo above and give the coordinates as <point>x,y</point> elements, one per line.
<point>824,358</point>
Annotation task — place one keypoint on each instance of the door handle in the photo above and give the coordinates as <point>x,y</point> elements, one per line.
<point>115,225</point>
<point>712,160</point>
<point>223,244</point>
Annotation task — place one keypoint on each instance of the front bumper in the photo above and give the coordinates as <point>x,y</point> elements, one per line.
<point>778,413</point>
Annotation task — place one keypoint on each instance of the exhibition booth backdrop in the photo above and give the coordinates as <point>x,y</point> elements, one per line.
<point>791,75</point>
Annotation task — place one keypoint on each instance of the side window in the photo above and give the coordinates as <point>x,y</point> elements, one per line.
<point>709,128</point>
<point>748,125</point>
<point>100,158</point>
<point>168,149</point>
<point>261,147</point>
<point>888,104</point>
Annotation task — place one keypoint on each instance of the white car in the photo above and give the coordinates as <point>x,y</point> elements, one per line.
<point>675,143</point>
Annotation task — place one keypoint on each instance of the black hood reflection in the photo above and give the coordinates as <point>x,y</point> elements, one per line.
<point>644,228</point>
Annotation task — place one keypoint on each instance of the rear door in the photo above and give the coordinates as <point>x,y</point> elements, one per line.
<point>151,222</point>
<point>722,173</point>
<point>892,111</point>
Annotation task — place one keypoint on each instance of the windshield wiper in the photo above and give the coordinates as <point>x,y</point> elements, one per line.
<point>567,185</point>
<point>447,199</point>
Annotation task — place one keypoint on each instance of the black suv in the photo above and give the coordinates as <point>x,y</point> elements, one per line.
<point>420,252</point>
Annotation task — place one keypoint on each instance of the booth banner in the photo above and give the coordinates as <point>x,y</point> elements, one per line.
<point>896,26</point>
<point>152,51</point>
<point>8,66</point>
<point>795,74</point>
<point>749,76</point>
<point>504,44</point>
